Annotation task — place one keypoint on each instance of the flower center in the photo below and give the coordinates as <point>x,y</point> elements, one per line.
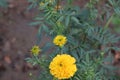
<point>35,48</point>
<point>60,39</point>
<point>60,65</point>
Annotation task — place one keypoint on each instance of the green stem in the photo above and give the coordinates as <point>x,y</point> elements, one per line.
<point>61,50</point>
<point>108,22</point>
<point>36,58</point>
<point>74,48</point>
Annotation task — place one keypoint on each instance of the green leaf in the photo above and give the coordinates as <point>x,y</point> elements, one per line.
<point>112,2</point>
<point>75,20</point>
<point>117,10</point>
<point>39,35</point>
<point>67,20</point>
<point>35,23</point>
<point>47,46</point>
<point>45,28</point>
<point>61,19</point>
<point>69,1</point>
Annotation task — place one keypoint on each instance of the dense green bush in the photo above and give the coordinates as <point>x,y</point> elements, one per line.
<point>89,38</point>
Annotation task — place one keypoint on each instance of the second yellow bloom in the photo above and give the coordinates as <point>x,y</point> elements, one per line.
<point>60,40</point>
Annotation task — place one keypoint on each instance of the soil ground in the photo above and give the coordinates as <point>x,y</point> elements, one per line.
<point>16,39</point>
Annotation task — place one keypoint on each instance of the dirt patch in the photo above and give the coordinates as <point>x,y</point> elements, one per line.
<point>16,39</point>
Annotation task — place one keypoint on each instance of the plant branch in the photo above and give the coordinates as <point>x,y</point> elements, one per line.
<point>108,22</point>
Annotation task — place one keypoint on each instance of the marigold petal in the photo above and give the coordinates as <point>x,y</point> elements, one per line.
<point>63,66</point>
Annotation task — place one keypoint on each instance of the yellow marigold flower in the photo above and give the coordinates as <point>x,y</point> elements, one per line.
<point>63,66</point>
<point>60,40</point>
<point>35,50</point>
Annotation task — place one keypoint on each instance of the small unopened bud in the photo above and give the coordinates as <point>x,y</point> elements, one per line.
<point>58,7</point>
<point>102,53</point>
<point>30,74</point>
<point>41,4</point>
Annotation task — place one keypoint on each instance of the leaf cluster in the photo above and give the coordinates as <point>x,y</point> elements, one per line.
<point>89,42</point>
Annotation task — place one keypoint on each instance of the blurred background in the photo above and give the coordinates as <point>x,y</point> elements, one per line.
<point>17,38</point>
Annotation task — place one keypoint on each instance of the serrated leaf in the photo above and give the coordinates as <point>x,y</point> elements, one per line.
<point>35,23</point>
<point>45,28</point>
<point>61,19</point>
<point>75,19</point>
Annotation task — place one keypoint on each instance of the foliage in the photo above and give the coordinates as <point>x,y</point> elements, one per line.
<point>3,3</point>
<point>89,38</point>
